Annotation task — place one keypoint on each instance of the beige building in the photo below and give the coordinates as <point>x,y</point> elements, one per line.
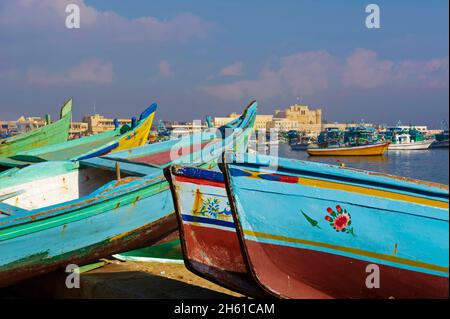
<point>283,125</point>
<point>296,117</point>
<point>309,121</point>
<point>98,123</point>
<point>300,113</point>
<point>78,129</point>
<point>22,124</point>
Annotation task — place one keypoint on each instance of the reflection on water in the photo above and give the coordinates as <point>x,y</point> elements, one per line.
<point>429,165</point>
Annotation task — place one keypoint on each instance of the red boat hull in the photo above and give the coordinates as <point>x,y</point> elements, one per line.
<point>284,270</point>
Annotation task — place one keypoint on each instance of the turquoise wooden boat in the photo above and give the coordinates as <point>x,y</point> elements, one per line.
<point>209,242</point>
<point>345,232</point>
<point>49,134</point>
<point>74,212</point>
<point>90,146</point>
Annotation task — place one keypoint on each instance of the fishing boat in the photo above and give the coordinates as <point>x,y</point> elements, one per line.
<point>346,232</point>
<point>120,138</point>
<point>73,212</point>
<point>208,237</point>
<point>441,140</point>
<point>362,150</point>
<point>407,139</point>
<point>299,141</point>
<point>358,141</point>
<point>50,134</point>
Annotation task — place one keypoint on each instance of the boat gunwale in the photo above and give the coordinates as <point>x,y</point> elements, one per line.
<point>86,201</point>
<point>293,165</point>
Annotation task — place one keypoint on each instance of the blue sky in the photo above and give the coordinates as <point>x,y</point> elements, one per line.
<point>212,57</point>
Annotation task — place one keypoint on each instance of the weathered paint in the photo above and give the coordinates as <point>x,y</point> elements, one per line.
<point>114,217</point>
<point>208,238</point>
<point>50,134</point>
<point>407,237</point>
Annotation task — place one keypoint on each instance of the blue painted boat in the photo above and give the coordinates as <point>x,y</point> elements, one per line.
<point>208,238</point>
<point>74,212</point>
<point>346,232</point>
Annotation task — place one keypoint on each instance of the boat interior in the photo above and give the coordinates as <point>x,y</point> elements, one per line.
<point>41,185</point>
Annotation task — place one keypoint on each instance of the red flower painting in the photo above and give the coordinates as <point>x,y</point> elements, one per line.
<point>340,220</point>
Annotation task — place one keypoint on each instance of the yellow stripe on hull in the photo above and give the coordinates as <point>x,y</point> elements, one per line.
<point>351,250</point>
<point>369,150</point>
<point>372,192</point>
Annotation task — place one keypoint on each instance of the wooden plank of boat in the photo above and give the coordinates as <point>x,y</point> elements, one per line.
<point>208,238</point>
<point>49,134</point>
<point>77,212</point>
<point>338,227</point>
<point>362,150</point>
<point>89,146</point>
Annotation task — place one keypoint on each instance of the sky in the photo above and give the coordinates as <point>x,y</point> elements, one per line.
<point>198,58</point>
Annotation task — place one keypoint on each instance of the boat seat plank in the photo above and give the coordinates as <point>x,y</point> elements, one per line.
<point>9,210</point>
<point>125,167</point>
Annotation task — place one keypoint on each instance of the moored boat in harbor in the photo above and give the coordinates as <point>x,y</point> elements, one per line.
<point>407,139</point>
<point>441,140</point>
<point>52,133</point>
<point>361,150</point>
<point>338,227</point>
<point>358,141</point>
<point>62,212</point>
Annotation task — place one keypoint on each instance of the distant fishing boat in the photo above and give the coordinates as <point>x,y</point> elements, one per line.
<point>208,237</point>
<point>362,150</point>
<point>120,138</point>
<point>358,141</point>
<point>336,229</point>
<point>50,134</point>
<point>299,141</point>
<point>441,140</point>
<point>63,212</point>
<point>407,139</point>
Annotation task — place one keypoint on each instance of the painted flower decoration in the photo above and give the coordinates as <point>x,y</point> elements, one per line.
<point>340,220</point>
<point>210,207</point>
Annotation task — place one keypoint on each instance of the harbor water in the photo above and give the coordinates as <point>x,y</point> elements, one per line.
<point>428,165</point>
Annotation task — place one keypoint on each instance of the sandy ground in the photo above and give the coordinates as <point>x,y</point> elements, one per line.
<point>140,280</point>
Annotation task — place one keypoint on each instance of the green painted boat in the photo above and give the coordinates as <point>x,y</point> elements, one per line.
<point>57,213</point>
<point>49,134</point>
<point>120,138</point>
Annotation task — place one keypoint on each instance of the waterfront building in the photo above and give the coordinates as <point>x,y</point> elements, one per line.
<point>283,125</point>
<point>300,113</point>
<point>78,129</point>
<point>98,123</point>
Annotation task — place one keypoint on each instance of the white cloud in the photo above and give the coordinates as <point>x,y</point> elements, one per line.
<point>234,69</point>
<point>299,74</point>
<point>308,73</point>
<point>99,26</point>
<point>92,71</point>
